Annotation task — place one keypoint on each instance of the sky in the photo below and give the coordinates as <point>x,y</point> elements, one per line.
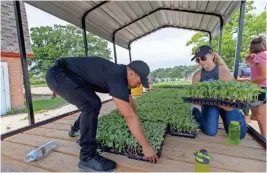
<point>162,49</point>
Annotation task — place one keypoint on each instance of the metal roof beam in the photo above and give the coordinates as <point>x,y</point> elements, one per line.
<point>84,29</point>
<point>168,9</point>
<point>167,26</point>
<point>84,25</point>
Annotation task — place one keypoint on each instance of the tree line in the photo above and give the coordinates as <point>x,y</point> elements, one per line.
<point>173,72</point>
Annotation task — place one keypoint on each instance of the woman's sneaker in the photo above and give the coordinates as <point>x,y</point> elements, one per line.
<point>97,163</point>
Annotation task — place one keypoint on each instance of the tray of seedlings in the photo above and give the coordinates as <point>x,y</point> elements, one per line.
<point>162,111</point>
<point>233,94</point>
<point>111,133</point>
<point>167,106</point>
<point>114,136</point>
<point>183,125</point>
<point>155,133</point>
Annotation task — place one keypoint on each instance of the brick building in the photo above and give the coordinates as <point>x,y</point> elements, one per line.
<point>11,71</point>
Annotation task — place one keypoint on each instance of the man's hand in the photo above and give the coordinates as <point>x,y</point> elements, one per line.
<point>150,154</point>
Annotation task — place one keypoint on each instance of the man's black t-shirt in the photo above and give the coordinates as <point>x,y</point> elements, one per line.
<point>103,75</point>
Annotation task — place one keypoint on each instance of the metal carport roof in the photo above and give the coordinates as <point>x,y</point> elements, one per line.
<point>133,19</point>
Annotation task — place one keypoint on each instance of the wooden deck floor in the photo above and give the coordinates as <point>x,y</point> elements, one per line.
<point>177,154</point>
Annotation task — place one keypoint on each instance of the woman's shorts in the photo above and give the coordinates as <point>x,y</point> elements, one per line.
<point>262,96</point>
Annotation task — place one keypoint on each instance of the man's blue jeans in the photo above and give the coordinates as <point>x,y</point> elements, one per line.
<point>209,119</point>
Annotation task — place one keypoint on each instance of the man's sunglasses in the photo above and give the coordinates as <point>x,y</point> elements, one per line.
<point>202,59</point>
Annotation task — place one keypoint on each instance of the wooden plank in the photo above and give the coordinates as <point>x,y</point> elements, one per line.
<point>237,151</point>
<point>126,169</point>
<point>9,165</point>
<point>72,148</point>
<point>223,140</point>
<point>220,120</point>
<point>56,126</point>
<point>221,126</point>
<point>164,165</point>
<point>63,146</point>
<point>54,161</point>
<point>74,117</point>
<point>65,121</point>
<point>35,141</point>
<point>221,132</point>
<point>57,134</point>
<point>230,163</point>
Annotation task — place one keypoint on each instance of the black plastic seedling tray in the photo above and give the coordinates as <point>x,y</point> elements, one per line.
<point>180,134</point>
<point>110,150</point>
<point>132,156</point>
<point>217,102</point>
<point>142,158</point>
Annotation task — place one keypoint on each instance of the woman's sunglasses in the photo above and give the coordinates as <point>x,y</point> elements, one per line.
<point>201,58</point>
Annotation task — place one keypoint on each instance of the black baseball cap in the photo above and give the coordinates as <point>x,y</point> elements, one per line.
<point>202,51</point>
<point>142,70</point>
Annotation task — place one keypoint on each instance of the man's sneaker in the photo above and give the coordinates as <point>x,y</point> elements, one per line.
<point>97,163</point>
<point>72,133</point>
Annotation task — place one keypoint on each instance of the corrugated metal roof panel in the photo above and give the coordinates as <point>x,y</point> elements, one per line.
<point>109,17</point>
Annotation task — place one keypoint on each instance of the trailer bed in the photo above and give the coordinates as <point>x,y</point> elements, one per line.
<point>177,154</point>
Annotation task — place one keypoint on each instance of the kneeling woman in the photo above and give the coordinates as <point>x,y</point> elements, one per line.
<point>214,68</point>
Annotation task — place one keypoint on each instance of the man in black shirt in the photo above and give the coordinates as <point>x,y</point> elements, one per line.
<point>76,79</point>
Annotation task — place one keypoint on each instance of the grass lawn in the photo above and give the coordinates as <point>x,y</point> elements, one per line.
<point>41,106</point>
<point>44,105</point>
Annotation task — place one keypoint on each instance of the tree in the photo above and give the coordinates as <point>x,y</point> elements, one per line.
<point>50,43</point>
<point>175,72</point>
<point>253,25</point>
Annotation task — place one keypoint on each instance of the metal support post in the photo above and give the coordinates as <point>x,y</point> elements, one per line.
<point>24,62</point>
<point>130,54</point>
<point>114,49</point>
<point>220,41</point>
<point>239,38</point>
